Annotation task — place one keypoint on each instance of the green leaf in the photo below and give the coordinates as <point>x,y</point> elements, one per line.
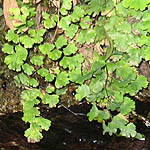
<point>86,22</point>
<point>82,92</point>
<point>127,106</point>
<point>117,122</point>
<point>126,73</point>
<point>24,79</point>
<point>62,79</point>
<point>52,100</point>
<point>113,106</point>
<point>55,54</point>
<point>37,35</point>
<point>136,4</point>
<point>96,85</point>
<point>50,89</point>
<point>62,91</point>
<point>14,61</point>
<point>37,60</point>
<point>60,42</point>
<point>103,115</point>
<point>96,97</point>
<point>33,82</point>
<point>93,113</point>
<point>30,95</point>
<point>77,14</point>
<point>33,133</point>
<point>46,48</point>
<point>1,12</point>
<point>45,15</point>
<point>70,49</point>
<point>43,123</point>
<point>147,53</point>
<point>138,84</point>
<point>144,40</point>
<point>145,26</point>
<point>129,130</point>
<point>63,11</point>
<point>7,48</point>
<point>26,41</point>
<point>67,4</point>
<point>28,69</point>
<point>45,73</point>
<point>49,23</point>
<point>72,62</point>
<point>136,56</point>
<point>64,22</point>
<point>118,97</point>
<point>71,31</point>
<point>76,76</point>
<point>29,112</point>
<point>95,6</point>
<point>87,36</point>
<point>100,32</point>
<point>124,27</point>
<point>11,36</point>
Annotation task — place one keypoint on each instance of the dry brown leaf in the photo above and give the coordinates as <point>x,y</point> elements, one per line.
<point>7,4</point>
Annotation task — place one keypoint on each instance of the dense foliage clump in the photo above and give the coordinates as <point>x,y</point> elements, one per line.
<point>96,45</point>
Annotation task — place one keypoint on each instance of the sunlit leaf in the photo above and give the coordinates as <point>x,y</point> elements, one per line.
<point>55,54</point>
<point>127,106</point>
<point>129,130</point>
<point>118,97</point>
<point>60,42</point>
<point>28,69</point>
<point>93,113</point>
<point>50,89</point>
<point>96,85</point>
<point>136,4</point>
<point>33,82</point>
<point>52,100</point>
<point>33,133</point>
<point>12,36</point>
<point>26,41</point>
<point>82,92</point>
<point>64,22</point>
<point>30,95</point>
<point>46,48</point>
<point>37,35</point>
<point>87,36</point>
<point>67,4</point>
<point>48,23</point>
<point>14,61</point>
<point>77,14</point>
<point>45,73</point>
<point>86,22</point>
<point>43,123</point>
<point>7,48</point>
<point>37,60</point>
<point>76,76</point>
<point>71,31</point>
<point>70,49</point>
<point>72,62</point>
<point>29,112</point>
<point>62,79</point>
